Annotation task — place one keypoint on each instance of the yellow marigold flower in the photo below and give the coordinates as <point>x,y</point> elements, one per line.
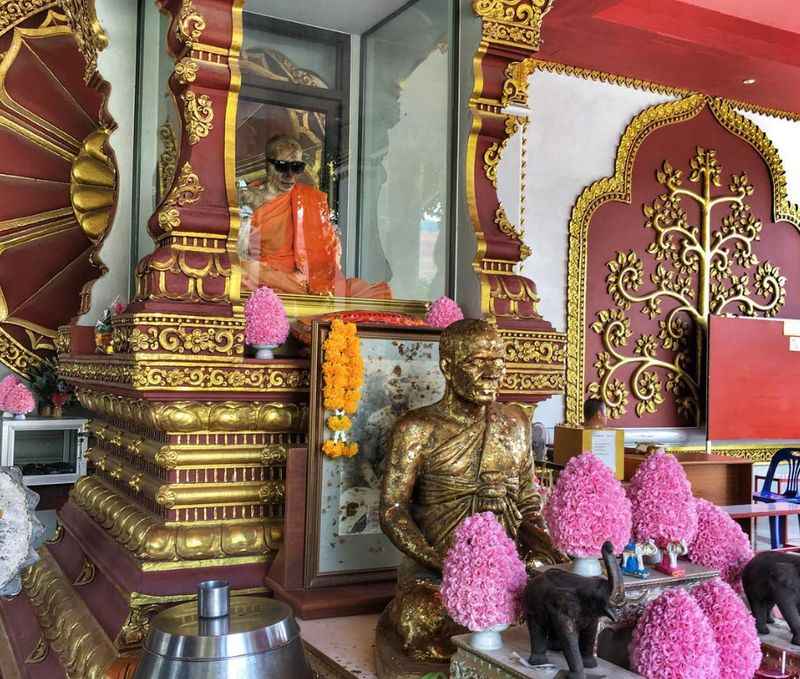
<point>339,423</point>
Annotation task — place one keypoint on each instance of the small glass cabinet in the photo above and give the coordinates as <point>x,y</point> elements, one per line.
<point>48,450</point>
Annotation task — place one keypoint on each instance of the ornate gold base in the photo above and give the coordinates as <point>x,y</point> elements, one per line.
<point>83,648</point>
<point>390,660</point>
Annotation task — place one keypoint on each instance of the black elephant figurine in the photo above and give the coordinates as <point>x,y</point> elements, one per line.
<point>564,608</point>
<point>774,578</point>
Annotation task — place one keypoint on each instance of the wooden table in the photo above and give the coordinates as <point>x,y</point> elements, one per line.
<point>720,479</point>
<point>755,510</point>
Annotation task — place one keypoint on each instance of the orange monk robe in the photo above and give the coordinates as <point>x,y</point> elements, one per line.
<point>296,243</point>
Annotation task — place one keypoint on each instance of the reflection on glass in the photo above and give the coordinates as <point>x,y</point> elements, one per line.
<point>295,143</point>
<point>403,197</point>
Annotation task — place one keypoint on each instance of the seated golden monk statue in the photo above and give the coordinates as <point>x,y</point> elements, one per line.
<point>291,245</point>
<point>463,455</point>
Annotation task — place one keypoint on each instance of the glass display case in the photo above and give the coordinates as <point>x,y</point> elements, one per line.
<point>48,450</point>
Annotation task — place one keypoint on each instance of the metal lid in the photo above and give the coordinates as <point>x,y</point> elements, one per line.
<point>255,625</point>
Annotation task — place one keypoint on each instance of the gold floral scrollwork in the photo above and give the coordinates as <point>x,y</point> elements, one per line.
<point>14,13</point>
<point>167,458</point>
<point>515,87</point>
<point>190,23</point>
<point>186,70</point>
<point>86,576</point>
<point>508,229</point>
<point>39,652</point>
<point>198,116</point>
<point>699,270</point>
<point>180,340</point>
<point>272,493</point>
<point>273,454</point>
<point>137,626</point>
<point>186,191</point>
<point>491,159</point>
<point>89,34</point>
<point>166,497</point>
<point>168,159</point>
<point>63,340</point>
<point>535,351</point>
<point>515,23</point>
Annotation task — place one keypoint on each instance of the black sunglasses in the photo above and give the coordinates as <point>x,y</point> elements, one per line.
<point>286,166</point>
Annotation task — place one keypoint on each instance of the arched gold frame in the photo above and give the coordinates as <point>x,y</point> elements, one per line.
<point>618,187</point>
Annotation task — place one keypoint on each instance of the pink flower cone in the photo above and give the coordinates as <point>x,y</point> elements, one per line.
<point>719,543</point>
<point>6,384</point>
<point>19,400</point>
<point>674,640</point>
<point>662,501</point>
<point>443,312</point>
<point>587,507</point>
<point>483,576</point>
<point>734,629</point>
<point>265,318</point>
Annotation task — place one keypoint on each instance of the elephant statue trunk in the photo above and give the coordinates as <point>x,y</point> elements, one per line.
<point>615,584</point>
<point>564,608</point>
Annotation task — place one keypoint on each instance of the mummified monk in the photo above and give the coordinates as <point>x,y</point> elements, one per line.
<point>291,245</point>
<point>463,455</point>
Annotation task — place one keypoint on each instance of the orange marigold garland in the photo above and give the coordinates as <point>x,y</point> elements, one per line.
<point>343,375</point>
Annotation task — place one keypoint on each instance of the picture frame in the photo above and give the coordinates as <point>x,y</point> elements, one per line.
<point>344,544</point>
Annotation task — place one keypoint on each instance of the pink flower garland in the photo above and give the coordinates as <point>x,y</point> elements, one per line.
<point>734,629</point>
<point>265,318</point>
<point>674,640</point>
<point>443,312</point>
<point>662,502</point>
<point>6,384</point>
<point>587,507</point>
<point>483,576</point>
<point>719,543</point>
<point>19,400</point>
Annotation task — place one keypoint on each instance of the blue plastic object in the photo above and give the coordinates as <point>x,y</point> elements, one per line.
<point>791,456</point>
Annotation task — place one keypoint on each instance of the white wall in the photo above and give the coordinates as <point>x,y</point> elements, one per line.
<point>117,64</point>
<point>785,136</point>
<point>571,140</point>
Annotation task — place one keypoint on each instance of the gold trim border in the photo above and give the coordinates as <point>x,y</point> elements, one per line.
<point>618,188</point>
<point>650,86</point>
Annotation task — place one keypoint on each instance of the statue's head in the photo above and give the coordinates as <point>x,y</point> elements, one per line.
<point>284,158</point>
<point>472,359</point>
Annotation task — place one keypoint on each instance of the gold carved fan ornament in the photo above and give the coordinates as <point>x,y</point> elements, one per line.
<point>56,170</point>
<point>700,269</point>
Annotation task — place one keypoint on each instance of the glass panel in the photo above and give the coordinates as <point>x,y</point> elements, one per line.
<point>405,145</point>
<point>43,452</point>
<point>290,59</point>
<point>343,184</point>
<point>291,136</point>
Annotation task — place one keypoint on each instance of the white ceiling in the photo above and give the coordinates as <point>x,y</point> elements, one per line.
<point>347,16</point>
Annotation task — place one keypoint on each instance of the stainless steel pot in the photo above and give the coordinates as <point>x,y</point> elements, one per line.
<point>218,639</point>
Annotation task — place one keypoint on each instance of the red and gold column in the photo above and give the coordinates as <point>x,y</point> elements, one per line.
<point>189,438</point>
<point>535,354</point>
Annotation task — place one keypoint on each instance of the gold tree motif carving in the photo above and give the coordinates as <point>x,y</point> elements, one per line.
<point>699,270</point>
